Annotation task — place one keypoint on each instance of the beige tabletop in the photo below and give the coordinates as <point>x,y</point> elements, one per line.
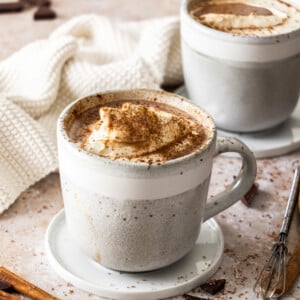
<point>248,232</point>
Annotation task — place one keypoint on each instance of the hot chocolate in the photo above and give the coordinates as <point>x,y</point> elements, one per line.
<point>130,216</point>
<point>247,17</point>
<point>140,131</point>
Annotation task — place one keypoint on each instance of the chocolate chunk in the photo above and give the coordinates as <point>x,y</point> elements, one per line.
<point>248,197</point>
<point>37,2</point>
<point>214,286</point>
<point>44,13</point>
<point>190,297</point>
<point>43,2</point>
<point>11,7</point>
<point>5,286</point>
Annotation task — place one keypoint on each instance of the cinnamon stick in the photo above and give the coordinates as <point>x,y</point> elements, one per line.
<point>24,287</point>
<point>292,271</point>
<point>7,296</point>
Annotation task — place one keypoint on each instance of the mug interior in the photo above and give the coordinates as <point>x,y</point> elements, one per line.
<point>236,47</point>
<point>71,112</point>
<point>188,5</point>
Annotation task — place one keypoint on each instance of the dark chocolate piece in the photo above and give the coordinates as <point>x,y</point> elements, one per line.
<point>43,2</point>
<point>44,13</point>
<point>248,197</point>
<point>214,286</point>
<point>11,7</point>
<point>190,297</point>
<point>37,2</point>
<point>5,286</point>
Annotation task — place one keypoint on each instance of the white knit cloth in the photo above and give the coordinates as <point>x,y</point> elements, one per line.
<point>86,55</point>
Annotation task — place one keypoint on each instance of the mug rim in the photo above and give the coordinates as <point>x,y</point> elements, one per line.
<point>72,146</point>
<point>226,36</point>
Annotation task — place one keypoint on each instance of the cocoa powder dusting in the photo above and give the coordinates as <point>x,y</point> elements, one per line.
<point>138,127</point>
<point>238,9</point>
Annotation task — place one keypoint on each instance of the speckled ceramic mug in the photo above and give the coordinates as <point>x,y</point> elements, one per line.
<point>134,217</point>
<point>247,83</point>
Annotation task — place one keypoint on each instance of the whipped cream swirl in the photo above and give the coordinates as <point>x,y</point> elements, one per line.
<point>134,130</point>
<point>248,17</point>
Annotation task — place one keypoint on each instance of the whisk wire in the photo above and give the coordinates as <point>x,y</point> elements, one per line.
<point>274,272</point>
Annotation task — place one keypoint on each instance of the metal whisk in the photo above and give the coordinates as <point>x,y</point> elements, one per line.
<point>274,270</point>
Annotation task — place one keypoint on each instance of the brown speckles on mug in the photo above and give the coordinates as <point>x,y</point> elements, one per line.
<point>97,257</point>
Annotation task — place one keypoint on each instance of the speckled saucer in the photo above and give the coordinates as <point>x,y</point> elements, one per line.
<point>195,268</point>
<point>269,143</point>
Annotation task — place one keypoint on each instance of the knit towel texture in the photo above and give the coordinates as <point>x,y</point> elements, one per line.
<point>86,55</point>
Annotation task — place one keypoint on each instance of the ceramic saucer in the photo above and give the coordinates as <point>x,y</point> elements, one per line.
<point>276,141</point>
<point>73,266</point>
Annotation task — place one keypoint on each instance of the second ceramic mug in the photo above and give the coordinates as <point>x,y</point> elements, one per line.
<point>130,216</point>
<point>247,83</point>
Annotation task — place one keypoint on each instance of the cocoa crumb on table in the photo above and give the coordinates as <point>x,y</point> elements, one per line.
<point>248,197</point>
<point>214,286</point>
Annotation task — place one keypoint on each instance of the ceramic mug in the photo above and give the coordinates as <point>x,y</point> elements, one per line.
<point>247,83</point>
<point>132,216</point>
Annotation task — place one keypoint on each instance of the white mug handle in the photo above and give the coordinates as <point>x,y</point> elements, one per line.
<point>241,184</point>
